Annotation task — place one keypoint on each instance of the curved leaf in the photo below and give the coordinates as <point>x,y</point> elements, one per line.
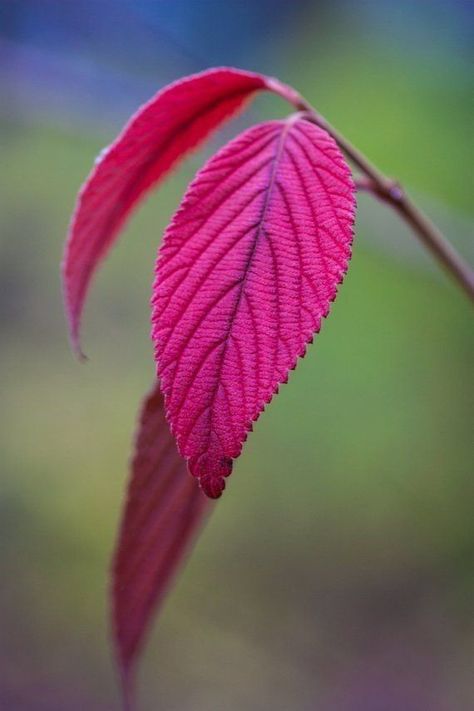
<point>246,272</point>
<point>164,130</point>
<point>163,512</point>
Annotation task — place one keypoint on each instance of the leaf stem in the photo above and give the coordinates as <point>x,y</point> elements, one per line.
<point>391,192</point>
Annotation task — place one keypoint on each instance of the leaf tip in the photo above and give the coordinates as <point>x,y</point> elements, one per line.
<point>211,473</point>
<point>212,486</point>
<point>75,341</point>
<point>72,307</point>
<point>127,687</point>
<point>79,353</point>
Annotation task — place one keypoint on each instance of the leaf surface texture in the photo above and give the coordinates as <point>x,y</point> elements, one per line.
<point>248,268</point>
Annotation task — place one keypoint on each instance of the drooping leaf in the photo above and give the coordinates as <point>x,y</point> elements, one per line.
<point>175,121</point>
<point>247,270</point>
<point>162,514</point>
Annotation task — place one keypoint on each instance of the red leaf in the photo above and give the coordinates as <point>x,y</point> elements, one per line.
<point>247,270</point>
<point>164,130</point>
<point>163,512</point>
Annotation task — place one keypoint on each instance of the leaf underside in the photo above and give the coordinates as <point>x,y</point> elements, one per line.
<point>163,512</point>
<point>177,120</point>
<point>247,270</point>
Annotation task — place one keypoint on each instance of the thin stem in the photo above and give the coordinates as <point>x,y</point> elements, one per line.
<point>391,192</point>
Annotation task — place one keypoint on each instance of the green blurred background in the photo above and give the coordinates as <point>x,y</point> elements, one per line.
<point>336,572</point>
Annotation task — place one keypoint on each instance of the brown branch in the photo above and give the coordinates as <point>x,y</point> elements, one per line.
<point>391,192</point>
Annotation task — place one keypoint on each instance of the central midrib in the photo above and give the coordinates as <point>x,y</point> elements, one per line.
<point>274,165</point>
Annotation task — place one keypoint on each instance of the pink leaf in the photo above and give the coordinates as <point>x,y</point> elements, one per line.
<point>163,512</point>
<point>246,272</point>
<point>164,130</point>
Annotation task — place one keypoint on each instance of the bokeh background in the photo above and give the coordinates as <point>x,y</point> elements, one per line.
<point>336,573</point>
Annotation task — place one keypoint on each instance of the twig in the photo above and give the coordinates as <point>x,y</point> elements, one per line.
<point>391,192</point>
